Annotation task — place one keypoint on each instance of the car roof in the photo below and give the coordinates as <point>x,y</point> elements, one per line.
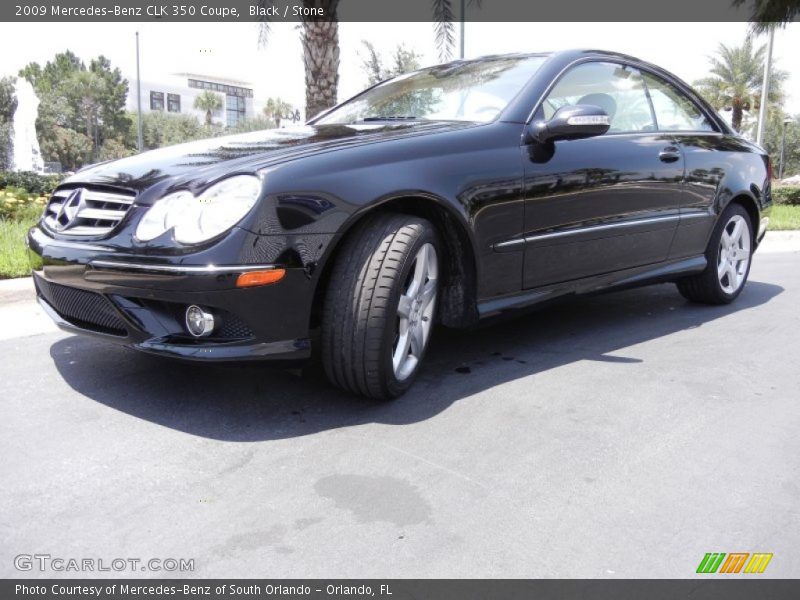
<point>570,54</point>
<point>563,58</point>
<point>566,55</point>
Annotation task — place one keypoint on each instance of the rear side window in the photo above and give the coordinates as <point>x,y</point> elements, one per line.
<point>617,89</point>
<point>674,110</point>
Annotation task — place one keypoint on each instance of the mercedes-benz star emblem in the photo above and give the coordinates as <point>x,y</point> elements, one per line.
<point>69,209</point>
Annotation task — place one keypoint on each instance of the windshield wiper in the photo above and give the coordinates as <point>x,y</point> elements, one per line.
<point>390,118</point>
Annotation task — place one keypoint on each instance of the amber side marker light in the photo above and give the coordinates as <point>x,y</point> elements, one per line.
<point>254,278</point>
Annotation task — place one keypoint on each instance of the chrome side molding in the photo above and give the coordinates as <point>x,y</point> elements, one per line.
<point>602,227</point>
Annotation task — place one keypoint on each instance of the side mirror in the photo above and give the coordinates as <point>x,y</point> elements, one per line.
<point>571,123</point>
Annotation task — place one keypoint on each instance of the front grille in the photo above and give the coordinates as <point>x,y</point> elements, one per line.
<point>85,211</point>
<point>83,309</point>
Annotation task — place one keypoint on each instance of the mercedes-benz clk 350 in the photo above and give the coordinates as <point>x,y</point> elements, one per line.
<point>442,196</point>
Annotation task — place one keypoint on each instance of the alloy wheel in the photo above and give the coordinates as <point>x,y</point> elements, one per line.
<point>734,254</point>
<point>415,312</point>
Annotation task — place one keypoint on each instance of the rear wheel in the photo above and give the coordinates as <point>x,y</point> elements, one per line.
<point>380,305</point>
<point>728,255</point>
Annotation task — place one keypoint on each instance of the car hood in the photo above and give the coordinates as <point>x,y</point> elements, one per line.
<point>196,163</point>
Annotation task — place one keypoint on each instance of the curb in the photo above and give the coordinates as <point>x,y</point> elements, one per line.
<point>16,290</point>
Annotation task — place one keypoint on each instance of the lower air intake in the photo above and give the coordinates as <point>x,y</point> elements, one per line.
<point>83,309</point>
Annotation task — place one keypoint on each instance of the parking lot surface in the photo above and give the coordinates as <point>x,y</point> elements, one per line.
<point>622,435</point>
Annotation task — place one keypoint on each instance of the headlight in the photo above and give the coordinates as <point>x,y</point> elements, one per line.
<point>200,218</point>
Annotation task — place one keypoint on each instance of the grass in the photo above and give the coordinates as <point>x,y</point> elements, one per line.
<point>13,254</point>
<point>784,217</point>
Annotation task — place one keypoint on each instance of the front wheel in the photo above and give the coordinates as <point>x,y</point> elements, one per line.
<point>380,305</point>
<point>728,254</point>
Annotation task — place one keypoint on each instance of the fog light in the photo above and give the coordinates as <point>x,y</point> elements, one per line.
<point>199,322</point>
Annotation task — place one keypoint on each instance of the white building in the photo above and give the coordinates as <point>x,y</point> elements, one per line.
<point>176,94</point>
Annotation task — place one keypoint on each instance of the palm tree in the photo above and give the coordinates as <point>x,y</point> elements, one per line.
<point>321,57</point>
<point>735,83</point>
<point>209,102</point>
<point>320,41</point>
<point>276,109</point>
<point>768,13</point>
<point>443,27</point>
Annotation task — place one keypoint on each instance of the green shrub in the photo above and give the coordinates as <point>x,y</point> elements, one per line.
<point>786,194</point>
<point>254,124</point>
<point>33,183</point>
<point>161,129</point>
<point>113,149</point>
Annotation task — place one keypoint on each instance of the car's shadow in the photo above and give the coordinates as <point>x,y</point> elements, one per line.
<point>257,403</point>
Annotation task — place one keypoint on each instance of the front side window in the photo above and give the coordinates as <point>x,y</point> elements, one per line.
<point>674,111</point>
<point>463,91</point>
<point>617,89</point>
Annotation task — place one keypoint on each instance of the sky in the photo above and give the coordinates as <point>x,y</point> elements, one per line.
<point>231,49</point>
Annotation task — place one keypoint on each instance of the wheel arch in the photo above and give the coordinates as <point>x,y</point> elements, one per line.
<point>749,203</point>
<point>458,295</point>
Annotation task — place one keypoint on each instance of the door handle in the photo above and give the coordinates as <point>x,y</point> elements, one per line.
<point>669,154</point>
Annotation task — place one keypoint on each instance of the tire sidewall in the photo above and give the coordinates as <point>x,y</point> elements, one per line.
<point>395,387</point>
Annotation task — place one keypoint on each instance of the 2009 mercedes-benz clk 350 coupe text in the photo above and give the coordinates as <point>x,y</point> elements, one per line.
<point>445,195</point>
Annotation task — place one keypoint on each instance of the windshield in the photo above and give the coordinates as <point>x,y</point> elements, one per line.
<point>462,91</point>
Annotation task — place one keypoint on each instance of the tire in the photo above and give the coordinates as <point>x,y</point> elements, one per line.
<point>379,265</point>
<point>729,261</point>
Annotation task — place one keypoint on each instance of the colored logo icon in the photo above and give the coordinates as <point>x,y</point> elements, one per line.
<point>735,562</point>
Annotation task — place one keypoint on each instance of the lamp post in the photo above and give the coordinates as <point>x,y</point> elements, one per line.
<point>463,29</point>
<point>786,121</point>
<point>762,113</point>
<point>139,141</point>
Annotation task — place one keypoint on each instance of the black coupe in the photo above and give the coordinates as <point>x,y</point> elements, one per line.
<point>444,195</point>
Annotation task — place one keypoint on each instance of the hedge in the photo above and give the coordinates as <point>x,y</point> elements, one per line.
<point>33,183</point>
<point>23,194</point>
<point>786,194</point>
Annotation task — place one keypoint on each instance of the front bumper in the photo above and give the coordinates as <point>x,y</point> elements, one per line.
<point>141,304</point>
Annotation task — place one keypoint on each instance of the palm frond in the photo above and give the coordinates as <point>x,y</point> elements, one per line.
<point>767,13</point>
<point>736,77</point>
<point>444,32</point>
<point>263,24</point>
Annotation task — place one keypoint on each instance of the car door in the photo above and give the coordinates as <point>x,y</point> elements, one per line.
<point>709,155</point>
<point>604,203</point>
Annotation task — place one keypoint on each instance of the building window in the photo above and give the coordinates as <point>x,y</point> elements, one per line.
<point>228,90</point>
<point>174,103</point>
<point>156,100</point>
<point>235,110</point>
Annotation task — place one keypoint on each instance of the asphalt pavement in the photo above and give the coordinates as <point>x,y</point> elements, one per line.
<point>622,435</point>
